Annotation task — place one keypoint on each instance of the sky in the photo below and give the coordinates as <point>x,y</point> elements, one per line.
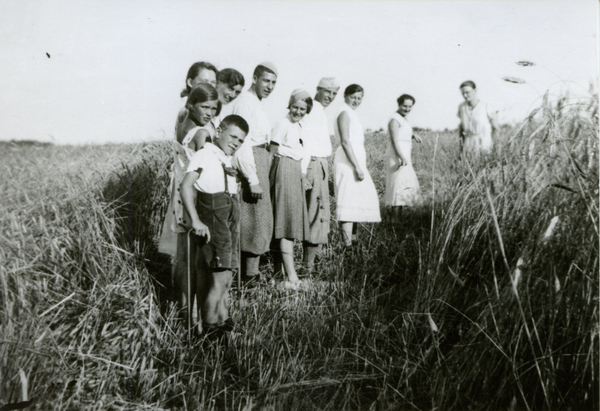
<point>97,71</point>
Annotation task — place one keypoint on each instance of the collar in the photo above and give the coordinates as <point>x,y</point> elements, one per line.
<point>224,158</point>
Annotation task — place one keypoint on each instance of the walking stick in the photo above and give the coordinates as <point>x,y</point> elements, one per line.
<point>190,303</point>
<point>239,270</point>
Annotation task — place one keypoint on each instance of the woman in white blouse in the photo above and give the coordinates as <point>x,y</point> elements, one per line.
<point>478,122</point>
<point>288,184</point>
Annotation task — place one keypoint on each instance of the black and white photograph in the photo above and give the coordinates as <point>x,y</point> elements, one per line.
<point>299,205</point>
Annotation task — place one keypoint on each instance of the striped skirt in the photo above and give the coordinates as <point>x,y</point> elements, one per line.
<point>290,218</point>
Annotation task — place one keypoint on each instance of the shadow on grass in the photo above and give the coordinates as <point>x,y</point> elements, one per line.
<point>139,196</point>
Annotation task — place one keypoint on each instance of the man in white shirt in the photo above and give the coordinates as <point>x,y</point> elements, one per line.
<point>253,160</point>
<point>317,145</point>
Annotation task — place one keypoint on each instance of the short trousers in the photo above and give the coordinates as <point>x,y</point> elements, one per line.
<point>220,212</point>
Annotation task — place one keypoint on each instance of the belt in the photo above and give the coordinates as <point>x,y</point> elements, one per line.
<point>264,145</point>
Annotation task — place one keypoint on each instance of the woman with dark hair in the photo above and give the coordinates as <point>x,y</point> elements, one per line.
<point>356,197</point>
<point>200,72</point>
<point>401,184</point>
<point>478,122</point>
<point>230,83</point>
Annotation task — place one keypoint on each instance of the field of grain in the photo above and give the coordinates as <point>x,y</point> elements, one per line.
<point>485,296</point>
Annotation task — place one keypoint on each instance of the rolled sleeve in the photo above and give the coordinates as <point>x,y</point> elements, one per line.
<point>243,160</point>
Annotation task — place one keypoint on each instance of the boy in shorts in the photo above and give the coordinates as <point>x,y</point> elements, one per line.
<point>209,194</point>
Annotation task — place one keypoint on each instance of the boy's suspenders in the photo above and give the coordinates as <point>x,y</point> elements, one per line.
<point>225,179</point>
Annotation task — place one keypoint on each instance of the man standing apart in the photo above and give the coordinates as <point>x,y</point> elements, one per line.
<point>253,160</point>
<point>317,145</point>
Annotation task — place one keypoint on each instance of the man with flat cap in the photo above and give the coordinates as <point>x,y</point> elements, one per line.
<point>317,145</point>
<point>253,160</point>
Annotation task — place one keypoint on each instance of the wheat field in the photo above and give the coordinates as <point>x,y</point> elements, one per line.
<point>484,296</point>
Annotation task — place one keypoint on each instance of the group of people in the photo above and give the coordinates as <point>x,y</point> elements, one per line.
<point>241,187</point>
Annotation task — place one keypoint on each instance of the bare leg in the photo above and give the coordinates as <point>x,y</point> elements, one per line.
<point>310,252</point>
<point>396,213</point>
<point>347,229</point>
<point>251,262</point>
<point>214,298</point>
<point>227,278</point>
<point>287,255</point>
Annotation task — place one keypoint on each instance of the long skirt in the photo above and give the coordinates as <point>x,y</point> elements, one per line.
<point>256,216</point>
<point>290,218</point>
<point>317,200</point>
<point>401,184</point>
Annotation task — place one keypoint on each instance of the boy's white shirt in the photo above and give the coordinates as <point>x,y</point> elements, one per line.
<point>210,159</point>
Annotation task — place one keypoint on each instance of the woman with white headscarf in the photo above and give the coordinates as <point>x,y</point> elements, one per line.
<point>288,184</point>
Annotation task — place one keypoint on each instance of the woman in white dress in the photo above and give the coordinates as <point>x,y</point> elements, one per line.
<point>356,197</point>
<point>401,184</point>
<point>478,123</point>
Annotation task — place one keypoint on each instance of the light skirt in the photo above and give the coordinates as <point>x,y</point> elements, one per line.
<point>356,201</point>
<point>401,184</point>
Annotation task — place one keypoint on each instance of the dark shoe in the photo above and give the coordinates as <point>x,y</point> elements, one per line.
<point>228,325</point>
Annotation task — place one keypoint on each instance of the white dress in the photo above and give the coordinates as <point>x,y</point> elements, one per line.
<point>401,184</point>
<point>476,126</point>
<point>356,201</point>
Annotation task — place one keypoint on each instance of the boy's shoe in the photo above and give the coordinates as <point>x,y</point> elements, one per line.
<point>228,325</point>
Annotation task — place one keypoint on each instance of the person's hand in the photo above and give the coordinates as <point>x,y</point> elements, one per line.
<point>201,230</point>
<point>256,191</point>
<point>305,184</point>
<point>417,138</point>
<point>230,171</point>
<point>360,176</point>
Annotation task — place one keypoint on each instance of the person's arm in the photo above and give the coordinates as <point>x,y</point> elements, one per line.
<point>199,139</point>
<point>244,157</point>
<point>278,136</point>
<point>394,132</point>
<point>493,117</point>
<point>304,162</point>
<point>243,161</point>
<point>188,196</point>
<point>417,137</point>
<point>343,122</point>
<point>273,148</point>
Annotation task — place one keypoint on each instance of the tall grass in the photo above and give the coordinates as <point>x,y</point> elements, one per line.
<point>485,296</point>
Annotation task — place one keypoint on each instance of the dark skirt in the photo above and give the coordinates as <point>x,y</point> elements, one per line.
<point>256,216</point>
<point>290,217</point>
